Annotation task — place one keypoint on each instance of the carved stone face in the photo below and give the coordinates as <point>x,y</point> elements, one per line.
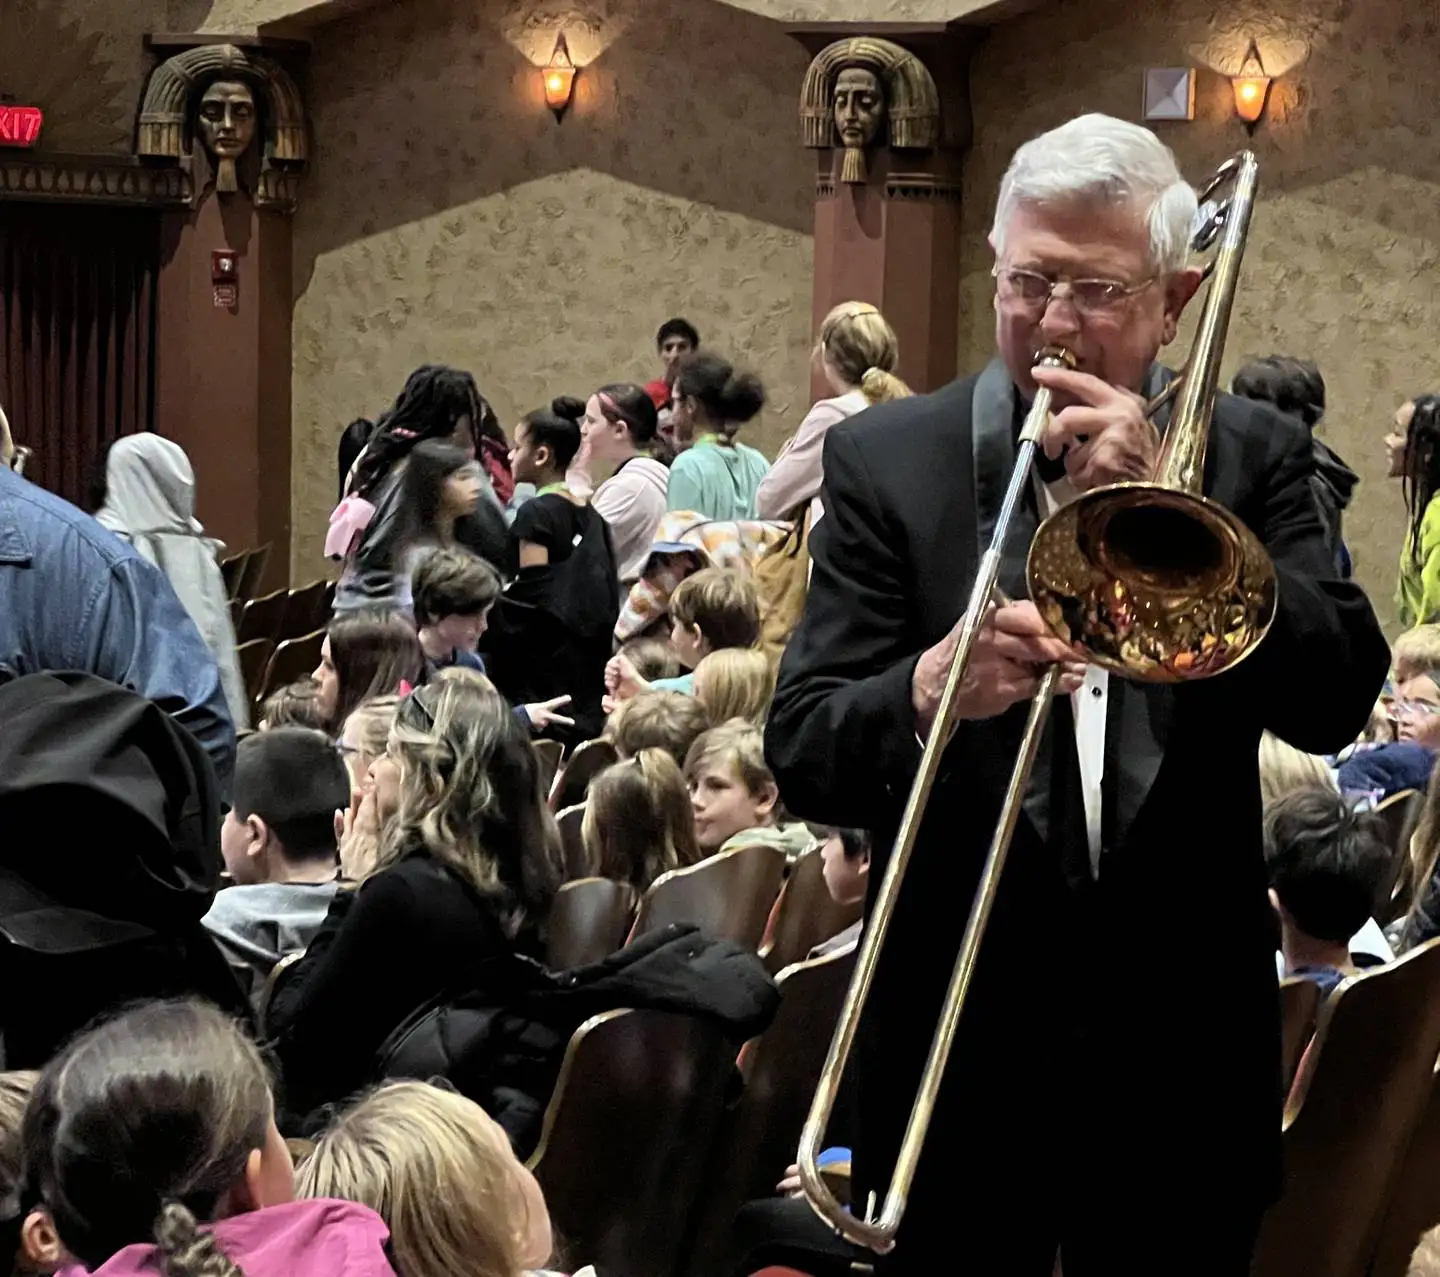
<point>227,119</point>
<point>859,107</point>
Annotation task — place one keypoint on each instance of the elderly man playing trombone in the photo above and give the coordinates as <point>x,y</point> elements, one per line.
<point>1098,1100</point>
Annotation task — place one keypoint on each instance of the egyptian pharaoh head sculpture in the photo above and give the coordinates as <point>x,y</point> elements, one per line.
<point>226,122</point>
<point>862,92</point>
<point>859,113</point>
<point>234,113</point>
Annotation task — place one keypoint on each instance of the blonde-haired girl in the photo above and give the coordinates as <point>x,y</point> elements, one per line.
<point>441,1173</point>
<point>735,682</point>
<point>638,824</point>
<point>857,352</point>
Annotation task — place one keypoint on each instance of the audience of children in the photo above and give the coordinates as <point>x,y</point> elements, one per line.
<point>716,476</point>
<point>442,484</point>
<point>365,654</point>
<point>652,658</point>
<point>619,430</point>
<point>365,734</point>
<point>551,632</point>
<point>676,339</point>
<point>710,610</point>
<point>1417,594</point>
<point>734,796</point>
<point>371,525</point>
<point>151,1150</point>
<point>857,353</point>
<point>278,840</point>
<point>735,682</point>
<point>638,820</point>
<point>443,1177</point>
<point>1326,863</point>
<point>294,705</point>
<point>467,866</point>
<point>145,493</point>
<point>670,721</point>
<point>454,593</point>
<point>846,853</point>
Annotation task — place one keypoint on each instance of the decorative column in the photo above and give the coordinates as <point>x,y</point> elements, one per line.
<point>887,189</point>
<point>230,120</point>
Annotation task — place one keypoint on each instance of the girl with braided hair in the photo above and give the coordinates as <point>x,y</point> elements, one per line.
<point>150,1150</point>
<point>1418,590</point>
<point>374,523</point>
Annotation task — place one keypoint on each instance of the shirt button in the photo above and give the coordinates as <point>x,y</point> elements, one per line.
<point>1095,691</point>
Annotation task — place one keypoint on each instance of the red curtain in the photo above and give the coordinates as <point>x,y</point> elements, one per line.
<point>77,332</point>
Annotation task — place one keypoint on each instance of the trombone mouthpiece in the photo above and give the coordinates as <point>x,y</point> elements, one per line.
<point>1054,357</point>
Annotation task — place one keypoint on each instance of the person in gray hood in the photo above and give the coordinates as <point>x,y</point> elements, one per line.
<point>278,841</point>
<point>1296,387</point>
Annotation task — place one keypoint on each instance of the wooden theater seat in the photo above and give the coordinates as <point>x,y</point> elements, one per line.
<point>728,895</point>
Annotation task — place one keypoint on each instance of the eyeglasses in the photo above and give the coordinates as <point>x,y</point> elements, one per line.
<point>1417,709</point>
<point>1034,291</point>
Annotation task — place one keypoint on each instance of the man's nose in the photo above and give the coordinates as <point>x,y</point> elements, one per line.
<point>1059,318</point>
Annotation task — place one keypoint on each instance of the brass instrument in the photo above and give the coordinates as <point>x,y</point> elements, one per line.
<point>1153,580</point>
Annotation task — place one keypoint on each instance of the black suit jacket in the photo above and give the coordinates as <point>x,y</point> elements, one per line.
<point>1082,1020</point>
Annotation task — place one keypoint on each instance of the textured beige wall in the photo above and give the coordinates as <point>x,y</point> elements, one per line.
<point>1342,262</point>
<point>82,62</point>
<point>448,217</point>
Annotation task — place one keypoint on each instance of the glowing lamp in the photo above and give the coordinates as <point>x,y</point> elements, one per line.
<point>559,77</point>
<point>1251,87</point>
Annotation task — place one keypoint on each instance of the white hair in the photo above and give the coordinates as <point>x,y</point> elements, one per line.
<point>1097,157</point>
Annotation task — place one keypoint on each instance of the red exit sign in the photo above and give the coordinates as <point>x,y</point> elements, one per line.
<point>20,125</point>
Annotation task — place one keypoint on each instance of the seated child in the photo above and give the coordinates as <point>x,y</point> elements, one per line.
<point>736,682</point>
<point>278,840</point>
<point>15,1089</point>
<point>294,705</point>
<point>653,658</point>
<point>670,721</point>
<point>733,793</point>
<point>846,853</point>
<point>1325,863</point>
<point>713,609</point>
<point>442,1174</point>
<point>151,1147</point>
<point>1415,652</point>
<point>454,591</point>
<point>638,823</point>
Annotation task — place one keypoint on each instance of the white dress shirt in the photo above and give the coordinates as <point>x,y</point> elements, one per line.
<point>1087,703</point>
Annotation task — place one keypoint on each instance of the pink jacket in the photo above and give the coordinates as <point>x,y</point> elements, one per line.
<point>315,1238</point>
<point>795,476</point>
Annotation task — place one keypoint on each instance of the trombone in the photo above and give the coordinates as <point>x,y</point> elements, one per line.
<point>1153,580</point>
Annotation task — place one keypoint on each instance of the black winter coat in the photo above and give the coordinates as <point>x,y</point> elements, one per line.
<point>506,1055</point>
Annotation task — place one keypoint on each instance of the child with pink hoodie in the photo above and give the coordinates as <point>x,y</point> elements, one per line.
<point>150,1150</point>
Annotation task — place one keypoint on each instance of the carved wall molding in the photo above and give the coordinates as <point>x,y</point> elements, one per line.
<point>921,186</point>
<point>168,118</point>
<point>91,179</point>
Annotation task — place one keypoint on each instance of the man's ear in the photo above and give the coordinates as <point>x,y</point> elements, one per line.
<point>1179,289</point>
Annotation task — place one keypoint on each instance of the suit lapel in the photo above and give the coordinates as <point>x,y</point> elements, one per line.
<point>993,438</point>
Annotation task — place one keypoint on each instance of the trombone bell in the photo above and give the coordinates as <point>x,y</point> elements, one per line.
<point>1156,584</point>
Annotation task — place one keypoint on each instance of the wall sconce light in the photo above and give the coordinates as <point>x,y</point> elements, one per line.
<point>1252,88</point>
<point>559,74</point>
